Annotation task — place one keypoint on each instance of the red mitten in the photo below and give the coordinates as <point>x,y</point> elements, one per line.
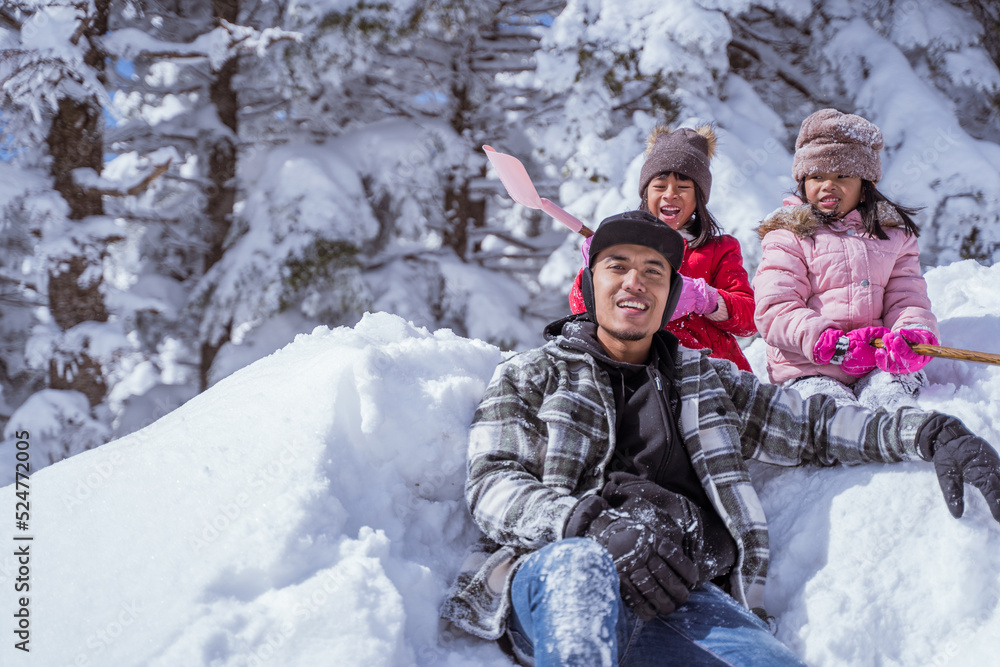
<point>896,355</point>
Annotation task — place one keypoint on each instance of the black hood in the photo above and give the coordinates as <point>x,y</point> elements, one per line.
<point>579,333</point>
<point>555,329</point>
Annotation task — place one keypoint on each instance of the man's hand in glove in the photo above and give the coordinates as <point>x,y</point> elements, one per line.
<point>655,575</point>
<point>959,457</point>
<point>665,513</point>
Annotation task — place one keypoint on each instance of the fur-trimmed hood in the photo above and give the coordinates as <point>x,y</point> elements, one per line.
<point>803,221</point>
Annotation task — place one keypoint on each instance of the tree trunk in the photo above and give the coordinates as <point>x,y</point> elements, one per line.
<point>461,212</point>
<point>461,208</point>
<point>75,140</point>
<point>222,172</point>
<point>222,152</point>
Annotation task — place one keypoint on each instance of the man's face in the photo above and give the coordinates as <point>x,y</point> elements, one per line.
<point>631,286</point>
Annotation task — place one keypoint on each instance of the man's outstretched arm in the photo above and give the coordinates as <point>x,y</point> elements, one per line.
<point>791,431</point>
<point>959,456</point>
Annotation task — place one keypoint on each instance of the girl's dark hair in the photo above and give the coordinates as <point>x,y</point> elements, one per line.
<point>868,208</point>
<point>704,227</point>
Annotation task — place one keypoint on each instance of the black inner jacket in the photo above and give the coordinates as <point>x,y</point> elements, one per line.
<point>647,409</point>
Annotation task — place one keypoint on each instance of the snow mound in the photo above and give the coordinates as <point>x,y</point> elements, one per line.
<point>306,510</point>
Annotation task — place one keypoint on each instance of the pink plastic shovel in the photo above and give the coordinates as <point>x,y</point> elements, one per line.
<point>520,188</point>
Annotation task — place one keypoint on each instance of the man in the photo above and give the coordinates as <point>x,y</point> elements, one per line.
<point>606,471</point>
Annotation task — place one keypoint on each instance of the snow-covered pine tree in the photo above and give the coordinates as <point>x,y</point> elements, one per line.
<point>175,96</point>
<point>53,92</point>
<point>925,72</point>
<point>373,195</point>
<point>360,183</point>
<point>117,249</point>
<point>756,70</point>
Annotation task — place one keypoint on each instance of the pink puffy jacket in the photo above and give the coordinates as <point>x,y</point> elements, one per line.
<point>815,276</point>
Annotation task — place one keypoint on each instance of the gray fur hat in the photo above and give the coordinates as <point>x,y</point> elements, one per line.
<point>840,143</point>
<point>684,151</point>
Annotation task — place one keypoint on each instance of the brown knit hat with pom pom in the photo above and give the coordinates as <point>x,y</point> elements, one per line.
<point>831,142</point>
<point>683,151</point>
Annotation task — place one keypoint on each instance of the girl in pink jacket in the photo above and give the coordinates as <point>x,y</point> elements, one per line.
<point>840,271</point>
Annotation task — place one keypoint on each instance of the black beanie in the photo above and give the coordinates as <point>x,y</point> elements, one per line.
<point>637,228</point>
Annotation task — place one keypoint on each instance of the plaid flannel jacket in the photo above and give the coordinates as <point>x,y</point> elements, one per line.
<point>544,433</point>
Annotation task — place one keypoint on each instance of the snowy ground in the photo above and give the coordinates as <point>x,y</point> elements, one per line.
<point>307,510</point>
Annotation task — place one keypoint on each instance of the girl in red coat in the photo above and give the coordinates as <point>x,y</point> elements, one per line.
<point>716,304</point>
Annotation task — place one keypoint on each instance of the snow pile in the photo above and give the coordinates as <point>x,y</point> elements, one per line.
<point>308,510</point>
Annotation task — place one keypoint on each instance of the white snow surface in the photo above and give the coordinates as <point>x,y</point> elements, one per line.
<point>308,510</point>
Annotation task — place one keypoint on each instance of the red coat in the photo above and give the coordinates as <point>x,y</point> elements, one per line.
<point>720,263</point>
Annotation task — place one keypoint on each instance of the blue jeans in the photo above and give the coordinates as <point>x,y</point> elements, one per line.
<point>567,611</point>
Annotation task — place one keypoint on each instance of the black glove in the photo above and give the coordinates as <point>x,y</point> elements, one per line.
<point>653,535</point>
<point>959,457</point>
<point>654,573</point>
<point>664,512</point>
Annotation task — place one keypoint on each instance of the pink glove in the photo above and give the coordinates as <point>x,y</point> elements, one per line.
<point>857,356</point>
<point>585,249</point>
<point>896,355</point>
<point>697,297</point>
<point>707,297</point>
<point>826,346</point>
